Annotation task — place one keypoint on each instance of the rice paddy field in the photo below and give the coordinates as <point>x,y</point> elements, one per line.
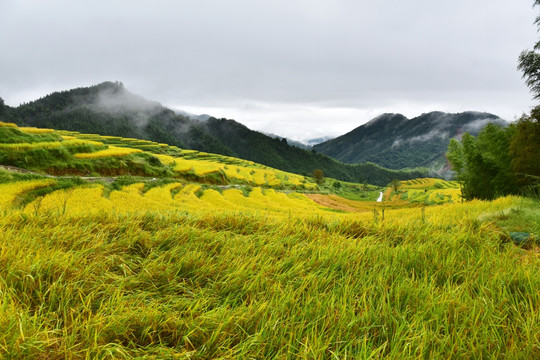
<point>425,191</point>
<point>65,153</point>
<point>198,163</point>
<point>147,268</point>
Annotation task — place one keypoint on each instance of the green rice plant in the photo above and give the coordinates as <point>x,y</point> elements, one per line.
<point>238,284</point>
<point>110,151</point>
<point>14,135</point>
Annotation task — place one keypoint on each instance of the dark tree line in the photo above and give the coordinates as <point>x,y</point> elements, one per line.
<point>499,161</point>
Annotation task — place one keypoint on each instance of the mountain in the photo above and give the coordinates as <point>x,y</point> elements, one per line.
<point>291,142</point>
<point>394,141</point>
<point>318,140</point>
<point>277,153</point>
<point>109,109</point>
<point>201,117</point>
<point>306,144</point>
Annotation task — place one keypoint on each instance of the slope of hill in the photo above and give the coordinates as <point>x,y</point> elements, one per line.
<point>109,109</point>
<point>178,267</point>
<point>60,152</point>
<point>393,141</point>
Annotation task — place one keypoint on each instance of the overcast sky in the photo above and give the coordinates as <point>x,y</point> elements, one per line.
<point>297,68</point>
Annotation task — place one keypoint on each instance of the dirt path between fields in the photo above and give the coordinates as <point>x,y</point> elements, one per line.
<point>22,171</point>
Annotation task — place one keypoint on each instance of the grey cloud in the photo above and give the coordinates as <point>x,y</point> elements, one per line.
<point>119,100</point>
<point>397,142</point>
<point>475,126</point>
<point>361,54</point>
<point>430,135</point>
<point>421,138</point>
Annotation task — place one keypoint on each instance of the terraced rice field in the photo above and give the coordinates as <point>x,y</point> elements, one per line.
<point>172,268</point>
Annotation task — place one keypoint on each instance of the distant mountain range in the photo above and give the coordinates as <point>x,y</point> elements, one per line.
<point>109,109</point>
<point>291,142</point>
<point>391,141</point>
<point>318,140</point>
<point>306,144</point>
<point>396,142</point>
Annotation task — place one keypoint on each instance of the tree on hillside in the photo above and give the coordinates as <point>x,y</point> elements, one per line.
<point>483,164</point>
<point>318,175</point>
<point>396,184</point>
<point>456,157</point>
<point>525,149</point>
<point>529,63</point>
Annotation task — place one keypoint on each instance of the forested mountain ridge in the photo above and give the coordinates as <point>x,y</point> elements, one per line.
<point>394,141</point>
<point>109,109</point>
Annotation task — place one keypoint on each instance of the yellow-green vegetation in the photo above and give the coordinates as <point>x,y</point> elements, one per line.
<point>34,130</point>
<point>201,164</point>
<point>111,151</point>
<point>46,145</point>
<point>65,152</point>
<point>174,267</point>
<point>350,191</point>
<point>94,198</point>
<point>171,272</point>
<point>424,191</point>
<point>10,191</point>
